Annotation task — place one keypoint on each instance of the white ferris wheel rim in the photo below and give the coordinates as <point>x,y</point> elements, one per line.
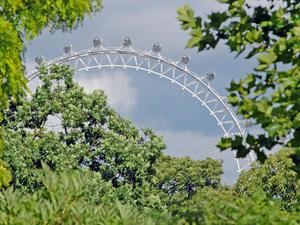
<point>153,62</point>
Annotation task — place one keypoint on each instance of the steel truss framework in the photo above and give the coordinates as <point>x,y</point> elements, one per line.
<point>153,62</point>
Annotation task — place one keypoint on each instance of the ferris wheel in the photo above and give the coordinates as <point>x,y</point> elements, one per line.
<point>153,62</point>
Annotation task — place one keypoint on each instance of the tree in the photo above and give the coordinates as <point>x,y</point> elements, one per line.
<point>275,177</point>
<point>178,179</point>
<point>24,20</point>
<point>88,134</point>
<point>21,21</point>
<point>269,94</point>
<point>218,207</point>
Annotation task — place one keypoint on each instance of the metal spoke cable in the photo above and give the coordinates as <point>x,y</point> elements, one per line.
<point>183,136</point>
<point>162,120</point>
<point>154,86</point>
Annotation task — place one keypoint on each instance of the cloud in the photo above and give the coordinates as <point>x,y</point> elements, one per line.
<point>184,143</point>
<point>116,85</point>
<point>146,25</point>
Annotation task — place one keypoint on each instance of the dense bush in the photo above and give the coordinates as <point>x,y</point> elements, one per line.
<point>178,179</point>
<point>63,200</point>
<point>275,177</point>
<point>218,207</point>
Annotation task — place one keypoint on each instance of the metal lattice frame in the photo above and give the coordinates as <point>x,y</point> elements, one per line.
<point>153,62</point>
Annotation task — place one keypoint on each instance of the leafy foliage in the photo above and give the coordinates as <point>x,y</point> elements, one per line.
<point>127,164</point>
<point>23,20</point>
<point>5,177</point>
<point>210,206</point>
<point>179,179</point>
<point>269,94</point>
<point>63,201</point>
<point>95,167</point>
<point>89,134</point>
<point>275,177</point>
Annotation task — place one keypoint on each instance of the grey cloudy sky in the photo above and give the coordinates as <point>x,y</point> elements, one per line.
<point>149,101</point>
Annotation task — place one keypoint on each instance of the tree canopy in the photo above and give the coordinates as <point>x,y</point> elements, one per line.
<point>129,163</point>
<point>22,21</point>
<point>179,179</point>
<point>275,177</point>
<point>210,206</point>
<point>88,134</point>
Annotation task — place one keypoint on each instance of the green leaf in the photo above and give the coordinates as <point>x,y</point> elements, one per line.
<point>242,152</point>
<point>273,129</point>
<point>217,18</point>
<point>185,15</point>
<point>234,86</point>
<point>224,144</point>
<point>296,160</point>
<point>193,42</point>
<point>237,142</point>
<point>268,58</point>
<point>253,36</point>
<point>233,99</point>
<point>296,31</point>
<point>264,107</point>
<point>296,122</point>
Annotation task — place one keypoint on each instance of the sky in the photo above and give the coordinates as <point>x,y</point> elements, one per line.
<point>149,101</point>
